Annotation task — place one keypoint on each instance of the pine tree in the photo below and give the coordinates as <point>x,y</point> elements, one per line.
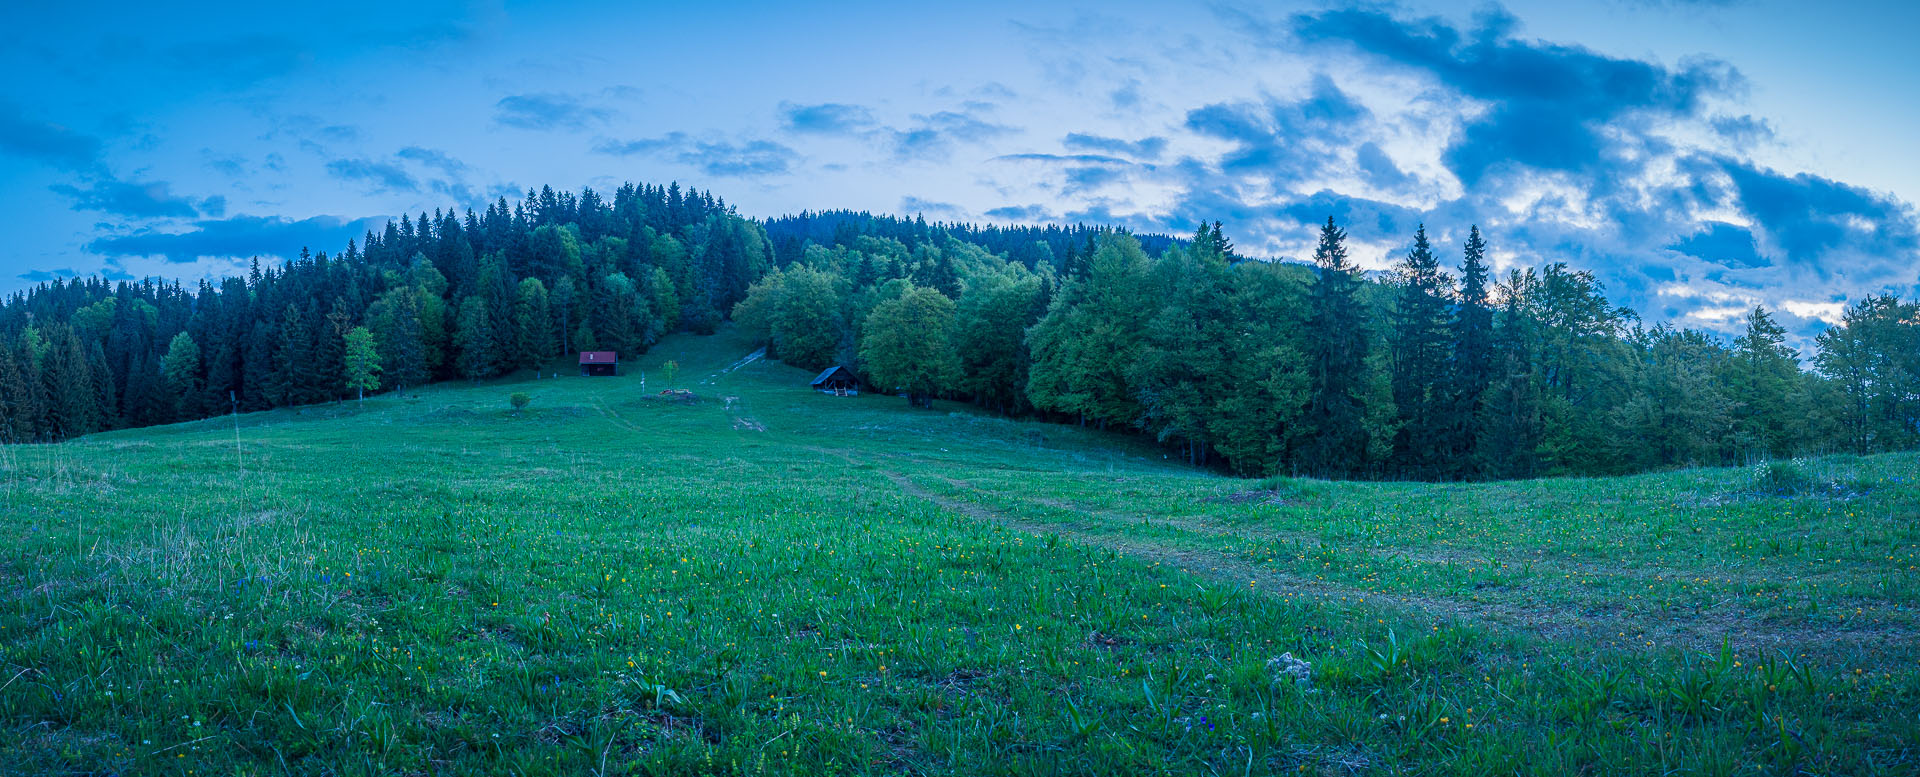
<point>72,409</point>
<point>14,425</point>
<point>1472,366</point>
<point>1420,359</point>
<point>474,340</point>
<point>293,359</point>
<point>534,341</point>
<point>1337,351</point>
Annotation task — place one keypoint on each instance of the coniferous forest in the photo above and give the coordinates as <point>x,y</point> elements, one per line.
<point>1438,369</point>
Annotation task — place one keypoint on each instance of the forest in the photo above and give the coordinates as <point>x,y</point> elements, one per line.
<point>1431,371</point>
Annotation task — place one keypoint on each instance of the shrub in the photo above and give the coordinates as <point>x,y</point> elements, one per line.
<point>1834,476</point>
<point>1784,478</point>
<point>520,400</point>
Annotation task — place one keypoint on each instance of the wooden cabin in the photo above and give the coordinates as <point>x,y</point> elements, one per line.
<point>599,363</point>
<point>838,381</point>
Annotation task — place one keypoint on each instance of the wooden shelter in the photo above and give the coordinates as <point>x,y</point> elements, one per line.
<point>838,381</point>
<point>599,363</point>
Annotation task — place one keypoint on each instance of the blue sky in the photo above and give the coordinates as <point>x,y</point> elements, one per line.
<point>1699,156</point>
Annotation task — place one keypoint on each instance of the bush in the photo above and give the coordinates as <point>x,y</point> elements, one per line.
<point>1783,478</point>
<point>1833,476</point>
<point>520,400</point>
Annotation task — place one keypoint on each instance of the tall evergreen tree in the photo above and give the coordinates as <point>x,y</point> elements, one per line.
<point>474,342</point>
<point>1472,366</point>
<point>1337,351</point>
<point>1421,353</point>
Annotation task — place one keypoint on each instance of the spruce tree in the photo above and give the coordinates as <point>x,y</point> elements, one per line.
<point>474,340</point>
<point>1336,361</point>
<point>1472,366</point>
<point>72,407</point>
<point>1420,356</point>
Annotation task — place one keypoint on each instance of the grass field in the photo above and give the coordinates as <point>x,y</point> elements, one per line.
<point>615,582</point>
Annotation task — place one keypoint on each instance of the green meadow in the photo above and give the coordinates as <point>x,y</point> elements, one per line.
<point>616,581</point>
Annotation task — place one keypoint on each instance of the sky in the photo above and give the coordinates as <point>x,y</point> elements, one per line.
<point>1699,156</point>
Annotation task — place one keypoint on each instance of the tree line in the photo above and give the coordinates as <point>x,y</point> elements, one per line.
<point>1254,366</point>
<point>1263,367</point>
<point>438,297</point>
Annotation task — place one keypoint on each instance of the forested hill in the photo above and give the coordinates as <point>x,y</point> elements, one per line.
<point>1259,367</point>
<point>1030,246</point>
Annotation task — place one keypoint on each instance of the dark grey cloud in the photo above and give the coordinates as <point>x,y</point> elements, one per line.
<point>1808,216</point>
<point>826,118</point>
<point>721,158</point>
<point>131,199</point>
<point>1723,243</point>
<point>1288,140</point>
<point>1363,218</point>
<point>45,141</point>
<point>382,176</point>
<point>1379,169</point>
<point>237,237</point>
<point>1546,105</point>
<point>549,111</point>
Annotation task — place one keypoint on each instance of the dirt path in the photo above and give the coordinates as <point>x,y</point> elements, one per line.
<point>744,361</point>
<point>1694,630</point>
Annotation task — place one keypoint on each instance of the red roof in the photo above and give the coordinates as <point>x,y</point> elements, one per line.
<point>599,357</point>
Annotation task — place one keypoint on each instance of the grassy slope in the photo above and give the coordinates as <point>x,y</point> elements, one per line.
<point>611,581</point>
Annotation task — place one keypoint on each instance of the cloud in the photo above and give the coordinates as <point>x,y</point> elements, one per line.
<point>1364,219</point>
<point>1285,140</point>
<point>932,137</point>
<point>1808,216</point>
<point>383,176</point>
<point>719,158</point>
<point>1379,170</point>
<point>1545,104</point>
<point>939,210</point>
<point>239,236</point>
<point>45,142</point>
<point>136,200</point>
<point>826,118</point>
<point>1723,243</point>
<point>1097,159</point>
<point>1743,131</point>
<point>42,276</point>
<point>1148,148</point>
<point>1027,213</point>
<point>549,111</point>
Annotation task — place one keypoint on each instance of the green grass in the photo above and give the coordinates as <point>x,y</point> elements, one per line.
<point>614,582</point>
